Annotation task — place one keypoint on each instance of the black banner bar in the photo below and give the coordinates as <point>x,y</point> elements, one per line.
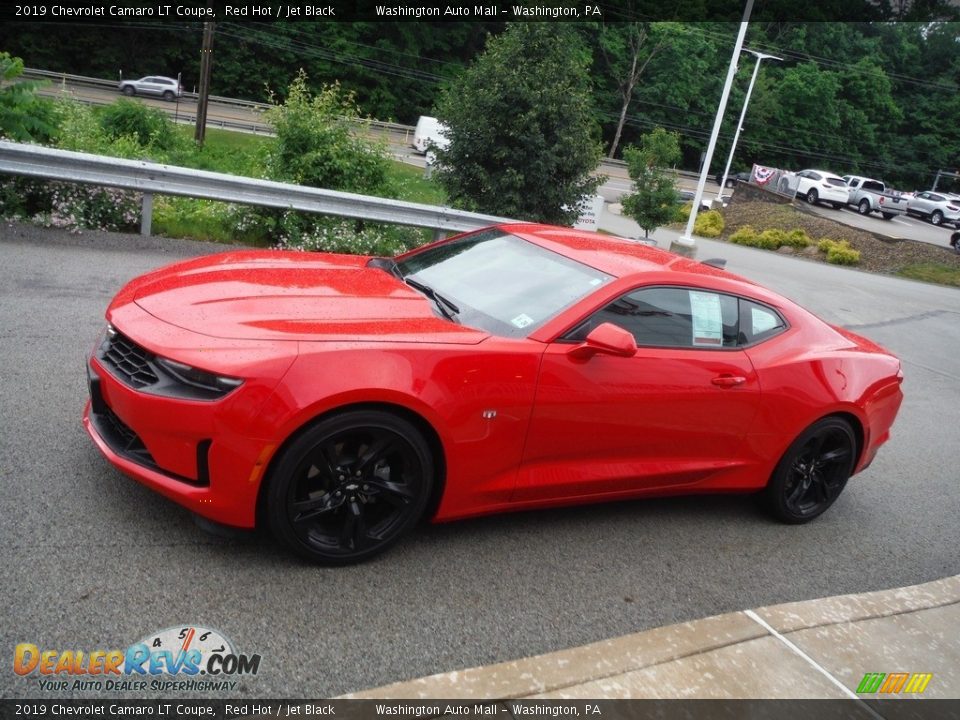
<point>916,709</point>
<point>81,11</point>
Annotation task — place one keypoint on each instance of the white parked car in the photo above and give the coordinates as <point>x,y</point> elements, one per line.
<point>937,207</point>
<point>820,186</point>
<point>156,85</point>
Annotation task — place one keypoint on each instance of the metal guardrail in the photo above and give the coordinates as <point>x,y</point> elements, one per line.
<point>149,178</point>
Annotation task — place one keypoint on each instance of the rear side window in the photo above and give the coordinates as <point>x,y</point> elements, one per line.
<point>758,322</point>
<point>836,181</point>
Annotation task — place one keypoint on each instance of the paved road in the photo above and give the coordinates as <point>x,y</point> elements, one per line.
<point>92,560</point>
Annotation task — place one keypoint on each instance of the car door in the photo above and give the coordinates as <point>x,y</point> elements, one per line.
<point>673,414</point>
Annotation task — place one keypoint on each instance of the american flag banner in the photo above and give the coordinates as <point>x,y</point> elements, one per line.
<point>763,175</point>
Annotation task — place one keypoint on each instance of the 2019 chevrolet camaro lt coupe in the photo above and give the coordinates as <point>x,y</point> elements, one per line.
<point>339,399</point>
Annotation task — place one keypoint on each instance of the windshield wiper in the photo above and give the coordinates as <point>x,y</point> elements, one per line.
<point>388,264</point>
<point>449,310</point>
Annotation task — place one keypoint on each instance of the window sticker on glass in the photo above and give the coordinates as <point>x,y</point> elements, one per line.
<point>522,320</point>
<point>707,319</point>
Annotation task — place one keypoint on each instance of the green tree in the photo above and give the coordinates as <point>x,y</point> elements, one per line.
<point>522,139</point>
<point>316,144</point>
<point>654,197</point>
<point>23,116</point>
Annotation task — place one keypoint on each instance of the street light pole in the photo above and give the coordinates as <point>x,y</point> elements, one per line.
<point>686,245</point>
<point>743,113</point>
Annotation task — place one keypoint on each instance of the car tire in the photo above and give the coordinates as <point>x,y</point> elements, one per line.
<point>129,90</point>
<point>864,207</point>
<point>836,206</point>
<point>888,216</point>
<point>168,95</point>
<point>812,196</point>
<point>350,486</point>
<point>936,217</point>
<point>812,472</point>
<point>731,182</point>
<point>955,241</point>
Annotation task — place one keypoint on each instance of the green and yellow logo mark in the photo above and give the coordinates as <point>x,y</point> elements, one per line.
<point>893,683</point>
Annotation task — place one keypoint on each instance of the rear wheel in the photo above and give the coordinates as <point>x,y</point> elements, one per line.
<point>350,487</point>
<point>168,95</point>
<point>888,216</point>
<point>937,217</point>
<point>864,207</point>
<point>812,196</point>
<point>813,472</point>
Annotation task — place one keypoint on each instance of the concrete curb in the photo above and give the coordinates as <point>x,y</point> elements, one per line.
<point>611,668</point>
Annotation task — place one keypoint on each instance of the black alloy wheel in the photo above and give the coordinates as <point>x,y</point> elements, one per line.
<point>350,486</point>
<point>812,196</point>
<point>813,472</point>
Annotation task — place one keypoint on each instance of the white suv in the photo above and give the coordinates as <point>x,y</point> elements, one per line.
<point>158,85</point>
<point>820,186</point>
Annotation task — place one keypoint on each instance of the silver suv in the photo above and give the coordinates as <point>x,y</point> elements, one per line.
<point>157,85</point>
<point>937,207</point>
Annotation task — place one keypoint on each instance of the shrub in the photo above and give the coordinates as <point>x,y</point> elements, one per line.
<point>839,252</point>
<point>798,238</point>
<point>75,207</point>
<point>148,127</point>
<point>682,213</point>
<point>316,144</point>
<point>326,234</point>
<point>709,224</point>
<point>744,236</point>
<point>771,239</point>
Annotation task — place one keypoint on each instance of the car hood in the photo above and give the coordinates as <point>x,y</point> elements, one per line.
<point>282,295</point>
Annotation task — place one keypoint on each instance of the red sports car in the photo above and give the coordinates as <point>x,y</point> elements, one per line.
<point>340,399</point>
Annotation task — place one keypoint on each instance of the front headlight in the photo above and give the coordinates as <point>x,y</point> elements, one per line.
<point>217,384</point>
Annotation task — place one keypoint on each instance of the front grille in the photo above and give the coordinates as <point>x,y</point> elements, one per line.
<point>129,360</point>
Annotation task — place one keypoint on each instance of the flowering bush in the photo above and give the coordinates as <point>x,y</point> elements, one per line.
<point>77,207</point>
<point>345,236</point>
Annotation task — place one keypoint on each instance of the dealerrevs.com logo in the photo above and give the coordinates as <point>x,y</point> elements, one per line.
<point>179,658</point>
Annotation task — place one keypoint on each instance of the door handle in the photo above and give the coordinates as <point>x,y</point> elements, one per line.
<point>728,381</point>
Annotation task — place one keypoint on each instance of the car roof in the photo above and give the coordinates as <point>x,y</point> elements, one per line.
<point>825,173</point>
<point>623,258</point>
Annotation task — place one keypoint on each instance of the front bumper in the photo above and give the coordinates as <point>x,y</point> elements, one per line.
<point>177,448</point>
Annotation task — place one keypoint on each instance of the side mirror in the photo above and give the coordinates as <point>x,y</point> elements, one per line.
<point>607,339</point>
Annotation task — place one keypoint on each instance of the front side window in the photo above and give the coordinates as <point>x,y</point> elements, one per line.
<point>501,283</point>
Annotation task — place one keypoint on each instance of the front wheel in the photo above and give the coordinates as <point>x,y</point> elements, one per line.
<point>937,217</point>
<point>350,487</point>
<point>129,90</point>
<point>812,472</point>
<point>864,207</point>
<point>812,196</point>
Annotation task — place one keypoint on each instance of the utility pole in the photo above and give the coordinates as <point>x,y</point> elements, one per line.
<point>206,60</point>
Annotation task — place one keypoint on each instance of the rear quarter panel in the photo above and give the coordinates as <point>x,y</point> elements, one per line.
<point>812,371</point>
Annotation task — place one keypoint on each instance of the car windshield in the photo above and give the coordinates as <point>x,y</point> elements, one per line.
<point>501,283</point>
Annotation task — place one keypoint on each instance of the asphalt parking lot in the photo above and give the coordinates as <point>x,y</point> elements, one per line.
<point>93,561</point>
